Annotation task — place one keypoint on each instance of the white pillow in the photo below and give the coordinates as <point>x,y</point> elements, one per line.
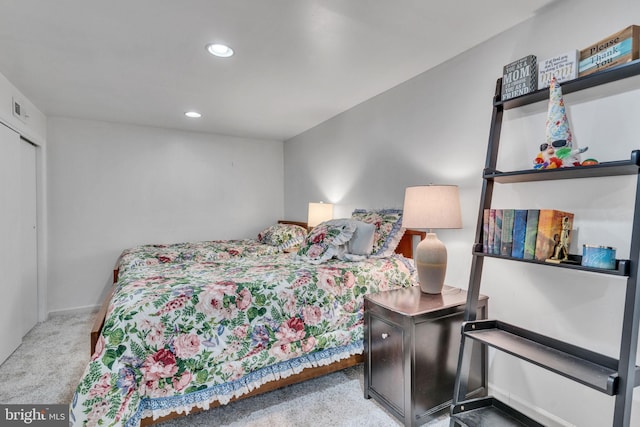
<point>361,243</point>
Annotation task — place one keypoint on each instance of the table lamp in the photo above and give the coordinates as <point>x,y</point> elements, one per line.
<point>427,207</point>
<point>319,212</point>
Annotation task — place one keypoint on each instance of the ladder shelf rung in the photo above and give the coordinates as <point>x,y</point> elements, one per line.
<point>581,365</point>
<point>622,265</point>
<point>489,412</point>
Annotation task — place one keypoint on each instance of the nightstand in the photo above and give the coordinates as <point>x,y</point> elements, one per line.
<point>411,348</point>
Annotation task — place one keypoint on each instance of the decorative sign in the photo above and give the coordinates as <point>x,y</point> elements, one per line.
<point>616,49</point>
<point>519,77</point>
<point>564,67</point>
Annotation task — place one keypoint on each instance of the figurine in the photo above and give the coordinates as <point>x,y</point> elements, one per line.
<point>557,151</point>
<point>557,155</point>
<point>561,248</point>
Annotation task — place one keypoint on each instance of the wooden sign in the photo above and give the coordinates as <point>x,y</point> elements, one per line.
<point>614,50</point>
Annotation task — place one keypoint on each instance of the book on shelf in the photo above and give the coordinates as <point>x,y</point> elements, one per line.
<point>485,230</point>
<point>549,231</point>
<point>519,232</point>
<point>497,233</point>
<point>519,78</point>
<point>492,230</point>
<point>531,233</point>
<point>506,245</point>
<point>564,67</point>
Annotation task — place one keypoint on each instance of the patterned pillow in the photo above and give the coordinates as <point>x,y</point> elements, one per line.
<point>389,231</point>
<point>325,240</point>
<point>283,236</point>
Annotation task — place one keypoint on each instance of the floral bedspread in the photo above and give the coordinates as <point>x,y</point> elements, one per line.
<point>179,336</point>
<point>205,251</point>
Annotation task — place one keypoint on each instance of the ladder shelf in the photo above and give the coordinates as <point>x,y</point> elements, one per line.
<point>608,375</point>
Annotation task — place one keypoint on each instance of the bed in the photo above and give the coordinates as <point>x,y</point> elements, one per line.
<point>281,237</point>
<point>273,239</point>
<point>180,337</point>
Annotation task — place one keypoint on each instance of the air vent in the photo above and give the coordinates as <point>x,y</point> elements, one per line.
<point>18,110</point>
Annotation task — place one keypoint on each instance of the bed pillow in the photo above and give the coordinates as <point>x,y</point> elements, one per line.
<point>283,236</point>
<point>326,240</point>
<point>361,242</point>
<point>388,229</point>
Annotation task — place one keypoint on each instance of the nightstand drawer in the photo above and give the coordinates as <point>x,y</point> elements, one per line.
<point>386,353</point>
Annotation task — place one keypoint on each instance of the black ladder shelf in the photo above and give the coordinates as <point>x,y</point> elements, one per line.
<point>613,377</point>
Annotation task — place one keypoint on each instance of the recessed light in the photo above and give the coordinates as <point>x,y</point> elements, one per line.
<point>220,50</point>
<point>193,114</point>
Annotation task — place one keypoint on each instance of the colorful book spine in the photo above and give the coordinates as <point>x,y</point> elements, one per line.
<point>549,230</point>
<point>531,233</point>
<point>506,245</point>
<point>492,230</point>
<point>497,235</point>
<point>519,232</point>
<point>485,230</point>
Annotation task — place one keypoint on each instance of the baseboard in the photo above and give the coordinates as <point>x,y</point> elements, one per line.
<point>89,309</point>
<point>537,413</point>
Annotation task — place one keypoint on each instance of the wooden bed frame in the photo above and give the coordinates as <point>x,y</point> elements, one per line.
<point>405,247</point>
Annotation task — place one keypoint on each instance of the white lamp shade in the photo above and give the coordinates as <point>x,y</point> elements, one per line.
<point>319,212</point>
<point>431,206</point>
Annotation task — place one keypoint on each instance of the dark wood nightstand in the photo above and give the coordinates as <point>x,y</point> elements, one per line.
<point>411,348</point>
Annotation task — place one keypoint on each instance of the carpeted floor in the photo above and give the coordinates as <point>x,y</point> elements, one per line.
<point>45,369</point>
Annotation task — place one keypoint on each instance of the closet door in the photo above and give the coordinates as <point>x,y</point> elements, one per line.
<point>10,230</point>
<point>28,237</point>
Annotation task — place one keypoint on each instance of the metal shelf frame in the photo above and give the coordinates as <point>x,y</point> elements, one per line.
<point>616,377</point>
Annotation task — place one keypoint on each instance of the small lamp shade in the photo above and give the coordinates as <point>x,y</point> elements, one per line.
<point>428,207</point>
<point>431,206</point>
<point>319,212</point>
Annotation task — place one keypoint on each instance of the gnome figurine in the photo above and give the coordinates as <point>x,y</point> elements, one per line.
<point>557,151</point>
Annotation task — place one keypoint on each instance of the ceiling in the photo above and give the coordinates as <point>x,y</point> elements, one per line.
<point>297,62</point>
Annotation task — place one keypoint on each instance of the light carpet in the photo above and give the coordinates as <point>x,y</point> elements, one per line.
<point>46,368</point>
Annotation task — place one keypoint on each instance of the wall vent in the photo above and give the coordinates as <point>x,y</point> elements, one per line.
<point>18,110</point>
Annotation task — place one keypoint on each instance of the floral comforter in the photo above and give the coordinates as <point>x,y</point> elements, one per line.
<point>179,336</point>
<point>206,251</point>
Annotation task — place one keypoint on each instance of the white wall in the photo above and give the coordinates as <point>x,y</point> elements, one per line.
<point>434,129</point>
<point>114,186</point>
